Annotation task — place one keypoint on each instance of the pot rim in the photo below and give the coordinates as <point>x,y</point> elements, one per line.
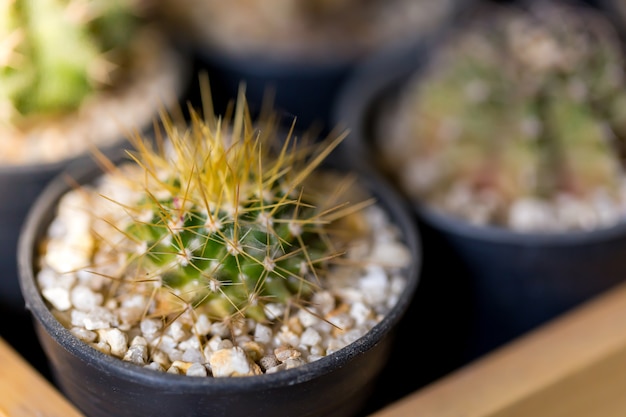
<point>503,235</point>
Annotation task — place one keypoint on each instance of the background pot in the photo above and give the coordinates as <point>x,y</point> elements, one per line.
<point>100,385</point>
<point>303,78</point>
<point>22,182</point>
<point>616,10</point>
<point>511,282</point>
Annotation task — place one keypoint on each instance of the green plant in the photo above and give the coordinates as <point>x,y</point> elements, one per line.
<point>223,218</point>
<point>236,227</point>
<point>55,53</point>
<point>514,116</point>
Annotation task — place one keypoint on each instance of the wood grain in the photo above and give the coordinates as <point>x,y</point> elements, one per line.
<point>24,392</point>
<point>575,366</point>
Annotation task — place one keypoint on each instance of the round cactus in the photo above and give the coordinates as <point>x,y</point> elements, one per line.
<point>226,217</point>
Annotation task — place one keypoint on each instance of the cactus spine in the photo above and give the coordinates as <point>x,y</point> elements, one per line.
<point>228,218</point>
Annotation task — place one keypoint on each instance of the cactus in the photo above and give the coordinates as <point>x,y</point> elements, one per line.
<point>229,229</point>
<point>526,109</point>
<point>223,218</point>
<point>55,53</point>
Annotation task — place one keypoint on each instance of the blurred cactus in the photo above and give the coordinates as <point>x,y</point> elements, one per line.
<point>517,119</point>
<point>55,53</point>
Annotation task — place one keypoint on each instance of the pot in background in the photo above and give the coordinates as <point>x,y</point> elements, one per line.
<point>297,53</point>
<point>20,184</point>
<point>512,281</point>
<point>146,71</point>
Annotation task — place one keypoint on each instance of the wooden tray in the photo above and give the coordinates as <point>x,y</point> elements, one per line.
<point>25,393</point>
<point>574,366</point>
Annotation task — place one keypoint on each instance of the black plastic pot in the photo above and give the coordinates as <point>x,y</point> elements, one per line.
<point>19,186</point>
<point>303,83</point>
<point>100,385</point>
<point>511,282</point>
<point>305,89</point>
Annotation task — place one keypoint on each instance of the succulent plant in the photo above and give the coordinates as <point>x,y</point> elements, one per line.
<point>55,53</point>
<point>230,227</point>
<point>223,218</point>
<point>517,120</point>
<point>221,246</point>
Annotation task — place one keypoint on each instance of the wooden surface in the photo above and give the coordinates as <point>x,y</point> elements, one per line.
<point>25,393</point>
<point>575,366</point>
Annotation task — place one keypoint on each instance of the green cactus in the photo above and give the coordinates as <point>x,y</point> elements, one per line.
<point>229,217</point>
<point>56,53</point>
<point>530,104</point>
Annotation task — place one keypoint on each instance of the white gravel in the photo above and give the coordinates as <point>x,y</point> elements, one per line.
<point>111,320</point>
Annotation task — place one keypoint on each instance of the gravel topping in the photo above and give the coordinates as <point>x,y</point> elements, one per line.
<point>356,296</point>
